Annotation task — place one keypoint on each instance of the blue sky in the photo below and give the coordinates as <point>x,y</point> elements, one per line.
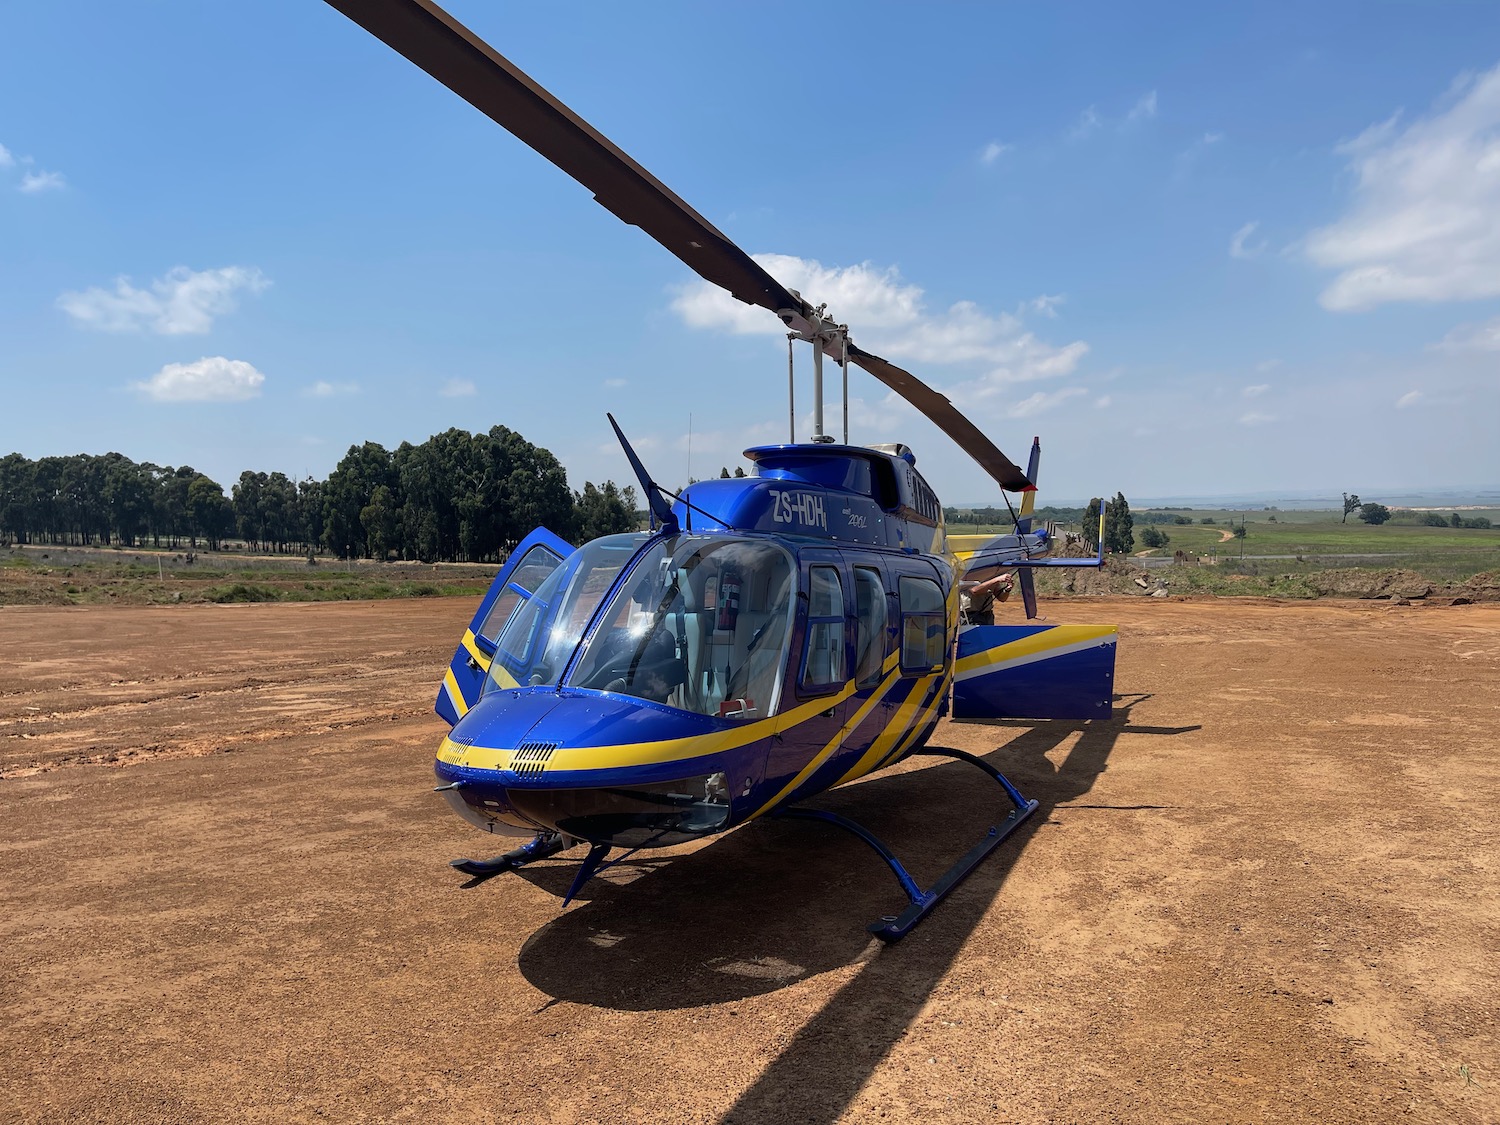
<point>1198,249</point>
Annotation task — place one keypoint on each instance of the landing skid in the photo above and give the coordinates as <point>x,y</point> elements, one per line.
<point>545,844</point>
<point>892,928</point>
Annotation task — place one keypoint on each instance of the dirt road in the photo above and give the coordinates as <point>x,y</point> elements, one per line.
<point>1267,891</point>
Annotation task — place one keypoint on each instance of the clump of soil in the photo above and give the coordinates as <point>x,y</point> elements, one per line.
<point>1354,582</point>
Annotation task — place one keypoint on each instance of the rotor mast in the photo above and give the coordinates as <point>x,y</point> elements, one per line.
<point>822,333</point>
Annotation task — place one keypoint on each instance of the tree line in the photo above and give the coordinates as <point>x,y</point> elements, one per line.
<point>458,496</point>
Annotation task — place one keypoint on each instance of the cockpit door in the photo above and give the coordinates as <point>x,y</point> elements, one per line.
<point>537,556</point>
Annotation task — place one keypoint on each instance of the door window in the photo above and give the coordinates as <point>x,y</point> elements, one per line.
<point>823,665</point>
<point>924,625</point>
<point>530,573</point>
<point>870,615</point>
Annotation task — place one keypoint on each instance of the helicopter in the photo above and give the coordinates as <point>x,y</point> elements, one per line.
<point>770,637</point>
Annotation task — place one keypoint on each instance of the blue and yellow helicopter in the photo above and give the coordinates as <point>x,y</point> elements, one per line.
<point>772,636</point>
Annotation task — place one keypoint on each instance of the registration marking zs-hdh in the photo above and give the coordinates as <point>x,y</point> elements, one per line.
<point>805,508</point>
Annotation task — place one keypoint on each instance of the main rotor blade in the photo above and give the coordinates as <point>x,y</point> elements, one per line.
<point>495,86</point>
<point>947,417</point>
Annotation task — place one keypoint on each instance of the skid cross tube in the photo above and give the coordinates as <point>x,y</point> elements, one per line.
<point>893,928</point>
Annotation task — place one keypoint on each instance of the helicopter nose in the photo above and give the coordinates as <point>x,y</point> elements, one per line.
<point>596,766</point>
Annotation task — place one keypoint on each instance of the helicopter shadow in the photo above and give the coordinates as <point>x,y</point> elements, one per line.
<point>775,902</point>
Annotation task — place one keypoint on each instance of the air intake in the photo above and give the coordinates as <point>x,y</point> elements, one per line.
<point>531,758</point>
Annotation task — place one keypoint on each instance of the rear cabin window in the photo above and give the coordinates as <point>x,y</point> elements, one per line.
<point>823,666</point>
<point>924,625</point>
<point>870,617</point>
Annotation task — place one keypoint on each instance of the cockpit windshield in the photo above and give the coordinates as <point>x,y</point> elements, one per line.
<point>701,623</point>
<point>535,644</point>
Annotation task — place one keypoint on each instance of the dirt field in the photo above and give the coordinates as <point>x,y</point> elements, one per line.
<point>1267,891</point>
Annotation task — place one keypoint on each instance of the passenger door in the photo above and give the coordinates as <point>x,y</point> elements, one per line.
<point>819,669</point>
<point>534,558</point>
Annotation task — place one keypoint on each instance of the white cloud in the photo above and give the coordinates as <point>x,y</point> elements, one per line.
<point>1041,401</point>
<point>324,389</point>
<point>1425,221</point>
<point>1256,391</point>
<point>1472,338</point>
<point>6,159</point>
<point>1188,157</point>
<point>210,379</point>
<point>1102,401</point>
<point>616,383</point>
<point>1045,305</point>
<point>1410,398</point>
<point>891,319</point>
<point>1088,121</point>
<point>34,182</point>
<point>181,303</point>
<point>1144,108</point>
<point>992,152</point>
<point>1255,418</point>
<point>458,388</point>
<point>1267,365</point>
<point>1240,245</point>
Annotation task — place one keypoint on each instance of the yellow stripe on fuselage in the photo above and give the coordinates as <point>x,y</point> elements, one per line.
<point>646,753</point>
<point>898,726</point>
<point>849,726</point>
<point>456,697</point>
<point>1031,646</point>
<point>474,650</point>
<point>928,714</point>
<point>962,548</point>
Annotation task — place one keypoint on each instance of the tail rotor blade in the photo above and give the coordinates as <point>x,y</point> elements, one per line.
<point>1028,592</point>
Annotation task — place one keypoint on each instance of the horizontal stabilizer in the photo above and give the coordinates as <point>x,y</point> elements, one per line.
<point>1035,672</point>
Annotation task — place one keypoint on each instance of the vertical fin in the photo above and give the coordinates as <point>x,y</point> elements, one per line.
<point>1028,499</point>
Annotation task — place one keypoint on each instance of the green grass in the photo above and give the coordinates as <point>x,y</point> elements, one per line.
<point>30,580</point>
<point>1443,554</point>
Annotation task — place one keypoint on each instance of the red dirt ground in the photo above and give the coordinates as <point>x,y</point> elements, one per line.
<point>1267,891</point>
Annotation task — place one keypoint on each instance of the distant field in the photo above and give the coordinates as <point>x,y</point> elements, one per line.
<point>1300,546</point>
<point>1327,537</point>
<point>91,576</point>
<point>1311,542</point>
